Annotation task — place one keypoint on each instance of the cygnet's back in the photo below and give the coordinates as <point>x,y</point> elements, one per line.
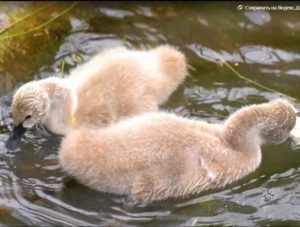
<point>159,155</point>
<point>130,82</point>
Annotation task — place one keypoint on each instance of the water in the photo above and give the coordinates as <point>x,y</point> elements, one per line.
<point>261,45</point>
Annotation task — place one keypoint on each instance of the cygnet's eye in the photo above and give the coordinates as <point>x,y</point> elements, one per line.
<point>27,117</point>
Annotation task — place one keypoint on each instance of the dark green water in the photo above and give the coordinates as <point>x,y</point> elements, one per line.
<point>261,45</point>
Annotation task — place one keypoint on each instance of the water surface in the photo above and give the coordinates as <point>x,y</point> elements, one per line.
<point>261,45</point>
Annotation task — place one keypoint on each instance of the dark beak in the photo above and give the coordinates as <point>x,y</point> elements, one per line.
<point>14,139</point>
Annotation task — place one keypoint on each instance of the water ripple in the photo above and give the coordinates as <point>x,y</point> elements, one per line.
<point>35,191</point>
<point>118,13</point>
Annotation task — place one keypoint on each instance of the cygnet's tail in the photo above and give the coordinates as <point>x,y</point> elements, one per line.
<point>173,70</point>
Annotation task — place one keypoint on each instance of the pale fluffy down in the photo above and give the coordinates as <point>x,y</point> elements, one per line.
<point>159,155</point>
<point>115,84</point>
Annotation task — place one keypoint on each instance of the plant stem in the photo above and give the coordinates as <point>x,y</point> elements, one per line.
<point>27,16</point>
<point>40,26</point>
<point>255,83</point>
<point>62,70</point>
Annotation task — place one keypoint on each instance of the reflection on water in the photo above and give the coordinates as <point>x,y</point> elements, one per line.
<point>262,45</point>
<point>258,17</point>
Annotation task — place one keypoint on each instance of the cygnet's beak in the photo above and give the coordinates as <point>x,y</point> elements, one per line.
<point>14,139</point>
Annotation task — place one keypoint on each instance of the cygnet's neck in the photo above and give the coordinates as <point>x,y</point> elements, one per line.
<point>243,129</point>
<point>62,104</point>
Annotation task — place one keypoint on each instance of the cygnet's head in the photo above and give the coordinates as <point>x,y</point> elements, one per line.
<point>279,121</point>
<point>30,104</point>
